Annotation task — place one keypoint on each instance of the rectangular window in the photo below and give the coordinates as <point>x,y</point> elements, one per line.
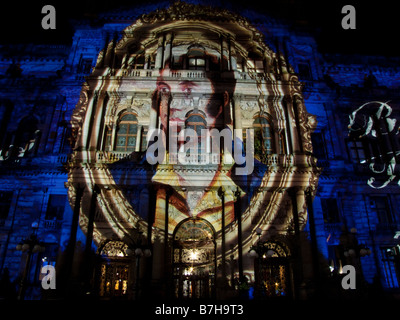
<point>335,257</point>
<point>85,65</point>
<point>196,63</point>
<point>330,210</point>
<point>259,66</point>
<point>144,139</point>
<point>177,63</point>
<point>305,71</point>
<point>389,266</point>
<point>356,151</point>
<point>5,203</point>
<point>56,206</point>
<point>382,208</point>
<point>319,147</point>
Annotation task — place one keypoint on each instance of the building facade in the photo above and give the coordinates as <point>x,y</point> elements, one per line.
<point>192,152</point>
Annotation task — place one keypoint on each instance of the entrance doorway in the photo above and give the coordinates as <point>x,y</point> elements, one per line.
<point>114,272</point>
<point>194,261</point>
<point>273,271</point>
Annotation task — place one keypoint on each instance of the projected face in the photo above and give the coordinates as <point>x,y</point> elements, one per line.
<point>181,100</point>
<point>197,104</point>
<point>190,92</point>
<point>189,106</point>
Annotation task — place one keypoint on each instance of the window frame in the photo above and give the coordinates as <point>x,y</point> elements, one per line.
<point>130,123</point>
<point>262,126</point>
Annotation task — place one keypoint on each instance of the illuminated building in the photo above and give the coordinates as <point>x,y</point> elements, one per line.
<point>115,224</point>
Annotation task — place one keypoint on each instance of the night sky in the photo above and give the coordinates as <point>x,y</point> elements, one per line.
<point>377,23</point>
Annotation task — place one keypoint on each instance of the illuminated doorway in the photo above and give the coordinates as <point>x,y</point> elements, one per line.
<point>272,271</point>
<point>114,271</point>
<point>194,262</point>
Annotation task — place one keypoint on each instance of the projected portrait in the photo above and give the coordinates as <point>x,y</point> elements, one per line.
<point>191,142</point>
<point>190,122</point>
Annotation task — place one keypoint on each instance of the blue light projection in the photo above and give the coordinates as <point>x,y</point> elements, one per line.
<point>356,136</point>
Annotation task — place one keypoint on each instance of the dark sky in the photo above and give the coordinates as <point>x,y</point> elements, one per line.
<point>377,23</point>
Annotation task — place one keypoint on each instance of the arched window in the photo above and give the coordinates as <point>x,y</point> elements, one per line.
<point>272,270</point>
<point>196,58</point>
<point>27,136</point>
<point>114,249</point>
<point>126,133</point>
<point>114,272</point>
<point>194,259</point>
<point>263,137</point>
<point>139,62</point>
<point>197,122</point>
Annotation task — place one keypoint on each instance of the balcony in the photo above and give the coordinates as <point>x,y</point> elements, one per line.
<point>174,158</point>
<point>180,74</point>
<point>288,160</point>
<point>181,158</point>
<point>52,224</point>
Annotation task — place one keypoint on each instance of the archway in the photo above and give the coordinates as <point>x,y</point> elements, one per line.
<point>272,270</point>
<point>115,270</point>
<point>194,262</point>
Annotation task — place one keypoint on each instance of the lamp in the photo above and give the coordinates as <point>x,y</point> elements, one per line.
<point>253,253</point>
<point>30,245</point>
<point>140,251</point>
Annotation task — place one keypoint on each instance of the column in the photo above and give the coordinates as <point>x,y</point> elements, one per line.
<point>157,194</point>
<point>88,261</point>
<point>267,64</point>
<point>221,194</point>
<point>167,251</point>
<point>153,121</point>
<point>237,118</point>
<point>98,132</point>
<point>146,61</point>
<point>160,52</point>
<point>296,111</point>
<point>66,269</point>
<point>88,121</point>
<point>138,138</point>
<point>124,61</point>
<point>295,195</point>
<point>233,59</point>
<point>280,57</point>
<point>167,51</point>
<point>229,55</point>
<point>288,127</point>
<point>223,49</point>
<point>238,217</point>
<point>110,52</point>
<point>164,110</point>
<point>313,235</point>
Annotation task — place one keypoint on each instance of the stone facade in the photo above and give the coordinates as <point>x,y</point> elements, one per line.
<point>76,122</point>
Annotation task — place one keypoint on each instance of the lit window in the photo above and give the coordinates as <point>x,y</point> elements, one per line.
<point>197,122</point>
<point>197,63</point>
<point>196,58</point>
<point>263,137</point>
<point>126,133</point>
